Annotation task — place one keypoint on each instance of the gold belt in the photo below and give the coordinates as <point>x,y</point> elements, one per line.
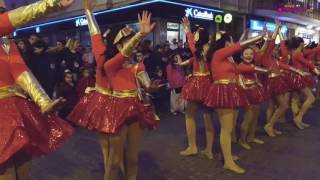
<point>225,81</point>
<point>273,75</point>
<point>100,90</point>
<point>249,82</point>
<point>200,74</point>
<point>10,91</point>
<point>126,93</point>
<point>104,91</point>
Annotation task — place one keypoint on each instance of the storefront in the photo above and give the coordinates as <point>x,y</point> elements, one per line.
<point>167,15</point>
<point>308,34</point>
<point>256,26</point>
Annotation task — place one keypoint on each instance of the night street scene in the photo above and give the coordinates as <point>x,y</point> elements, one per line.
<point>159,89</point>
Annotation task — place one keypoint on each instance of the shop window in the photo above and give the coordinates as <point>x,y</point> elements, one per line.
<point>175,33</point>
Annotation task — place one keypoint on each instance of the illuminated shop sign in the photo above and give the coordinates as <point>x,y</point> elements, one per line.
<point>208,15</point>
<point>172,26</point>
<point>81,22</point>
<point>258,26</point>
<point>199,14</point>
<point>293,8</point>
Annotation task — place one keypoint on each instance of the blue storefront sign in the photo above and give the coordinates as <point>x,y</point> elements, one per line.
<point>257,25</point>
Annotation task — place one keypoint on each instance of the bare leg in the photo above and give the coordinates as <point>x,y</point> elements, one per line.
<point>282,104</point>
<point>191,130</point>
<point>115,158</point>
<point>135,133</point>
<point>234,138</point>
<point>295,103</point>
<point>9,172</point>
<point>304,108</point>
<point>245,125</point>
<point>226,118</point>
<point>253,127</point>
<point>270,110</point>
<point>104,143</point>
<point>209,134</point>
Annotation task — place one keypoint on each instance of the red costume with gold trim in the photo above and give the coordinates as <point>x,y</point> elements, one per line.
<point>5,26</point>
<point>23,126</point>
<point>299,62</point>
<point>196,87</point>
<point>225,91</point>
<point>94,110</point>
<point>127,107</point>
<point>275,84</point>
<point>253,89</point>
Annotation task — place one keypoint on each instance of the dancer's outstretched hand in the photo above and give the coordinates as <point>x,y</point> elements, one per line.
<point>66,3</point>
<point>54,106</point>
<point>146,26</point>
<point>186,24</point>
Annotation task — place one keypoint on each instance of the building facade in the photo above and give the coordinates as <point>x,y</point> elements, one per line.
<point>300,17</point>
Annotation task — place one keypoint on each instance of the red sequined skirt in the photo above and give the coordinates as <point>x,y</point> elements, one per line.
<point>288,77</point>
<point>276,86</point>
<point>93,111</point>
<point>229,96</point>
<point>127,110</point>
<point>196,88</point>
<point>256,94</point>
<point>23,127</point>
<point>301,82</point>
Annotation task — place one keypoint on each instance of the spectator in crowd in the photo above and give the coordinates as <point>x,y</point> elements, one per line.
<point>67,90</point>
<point>88,57</point>
<point>43,67</point>
<point>176,79</point>
<point>87,80</point>
<point>33,38</point>
<point>73,58</point>
<point>25,50</point>
<point>160,96</point>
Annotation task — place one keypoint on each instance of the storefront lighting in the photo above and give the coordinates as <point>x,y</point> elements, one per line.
<point>81,22</point>
<point>218,19</point>
<point>257,25</point>
<point>118,9</point>
<point>228,18</point>
<point>37,29</point>
<point>309,27</point>
<point>199,14</point>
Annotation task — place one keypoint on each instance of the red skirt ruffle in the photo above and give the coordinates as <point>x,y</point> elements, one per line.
<point>276,86</point>
<point>129,110</point>
<point>256,94</point>
<point>229,96</point>
<point>301,82</point>
<point>93,111</point>
<point>196,88</point>
<point>288,77</point>
<point>23,127</point>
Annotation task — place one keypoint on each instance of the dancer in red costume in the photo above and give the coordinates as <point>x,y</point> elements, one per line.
<point>25,131</point>
<point>225,94</point>
<point>303,84</point>
<point>275,85</point>
<point>195,90</point>
<point>112,107</point>
<point>132,111</point>
<point>17,18</point>
<point>256,95</point>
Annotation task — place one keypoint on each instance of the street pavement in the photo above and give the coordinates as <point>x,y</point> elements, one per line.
<point>291,156</point>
